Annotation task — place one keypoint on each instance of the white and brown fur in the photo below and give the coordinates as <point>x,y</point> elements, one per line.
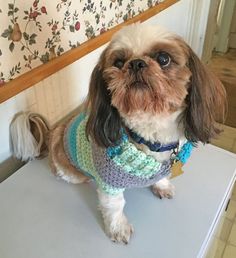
<point>180,101</point>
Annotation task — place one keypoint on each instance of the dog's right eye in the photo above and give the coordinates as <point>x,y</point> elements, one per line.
<point>119,63</point>
<point>163,59</point>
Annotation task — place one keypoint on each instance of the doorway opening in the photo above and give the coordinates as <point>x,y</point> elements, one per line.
<point>220,50</point>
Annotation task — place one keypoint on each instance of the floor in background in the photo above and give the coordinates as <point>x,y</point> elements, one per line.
<point>224,242</point>
<point>224,66</point>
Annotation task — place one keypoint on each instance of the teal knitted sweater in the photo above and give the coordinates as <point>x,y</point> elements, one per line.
<point>116,168</point>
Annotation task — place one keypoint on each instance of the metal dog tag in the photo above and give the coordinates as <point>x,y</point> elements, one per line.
<point>176,169</point>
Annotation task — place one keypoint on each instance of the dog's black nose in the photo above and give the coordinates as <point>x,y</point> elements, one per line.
<point>137,64</point>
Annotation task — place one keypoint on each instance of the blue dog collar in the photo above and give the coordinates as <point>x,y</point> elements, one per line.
<point>156,146</point>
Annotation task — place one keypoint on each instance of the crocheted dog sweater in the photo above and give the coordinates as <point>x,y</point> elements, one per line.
<point>115,168</point>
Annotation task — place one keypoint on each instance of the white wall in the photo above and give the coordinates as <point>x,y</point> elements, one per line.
<point>62,92</point>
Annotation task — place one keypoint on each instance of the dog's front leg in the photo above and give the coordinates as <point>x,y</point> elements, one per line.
<point>116,223</point>
<point>164,188</point>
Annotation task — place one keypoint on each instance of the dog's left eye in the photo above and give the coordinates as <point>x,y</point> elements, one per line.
<point>163,59</point>
<point>119,63</point>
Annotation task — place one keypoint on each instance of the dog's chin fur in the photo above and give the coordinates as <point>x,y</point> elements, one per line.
<point>180,101</point>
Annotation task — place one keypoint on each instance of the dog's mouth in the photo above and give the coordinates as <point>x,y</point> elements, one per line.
<point>138,84</point>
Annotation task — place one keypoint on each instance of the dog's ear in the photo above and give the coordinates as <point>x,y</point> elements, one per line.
<point>104,122</point>
<point>206,102</point>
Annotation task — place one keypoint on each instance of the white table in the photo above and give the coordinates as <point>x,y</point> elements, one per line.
<point>42,217</point>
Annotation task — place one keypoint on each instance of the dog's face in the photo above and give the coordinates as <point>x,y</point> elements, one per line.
<point>145,70</point>
<point>148,69</point>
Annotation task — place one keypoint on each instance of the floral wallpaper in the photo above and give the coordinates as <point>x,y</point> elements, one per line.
<point>33,32</point>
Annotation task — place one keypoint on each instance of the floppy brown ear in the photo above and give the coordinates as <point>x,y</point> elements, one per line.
<point>104,122</point>
<point>206,102</point>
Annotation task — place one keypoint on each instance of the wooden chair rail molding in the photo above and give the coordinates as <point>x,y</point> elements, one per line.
<point>41,72</point>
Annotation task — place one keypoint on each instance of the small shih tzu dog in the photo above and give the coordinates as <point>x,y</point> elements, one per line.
<point>150,101</point>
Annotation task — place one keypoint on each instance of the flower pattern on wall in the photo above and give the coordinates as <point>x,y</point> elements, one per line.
<point>34,32</point>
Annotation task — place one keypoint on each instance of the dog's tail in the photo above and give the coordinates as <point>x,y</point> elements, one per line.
<point>29,135</point>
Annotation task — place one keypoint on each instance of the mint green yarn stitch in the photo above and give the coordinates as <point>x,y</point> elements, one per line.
<point>136,162</point>
<point>86,154</point>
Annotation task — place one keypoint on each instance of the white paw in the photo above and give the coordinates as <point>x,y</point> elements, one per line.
<point>164,189</point>
<point>120,232</point>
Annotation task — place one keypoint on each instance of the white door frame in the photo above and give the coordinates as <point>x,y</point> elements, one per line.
<point>224,29</point>
<point>212,29</point>
<point>197,25</point>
